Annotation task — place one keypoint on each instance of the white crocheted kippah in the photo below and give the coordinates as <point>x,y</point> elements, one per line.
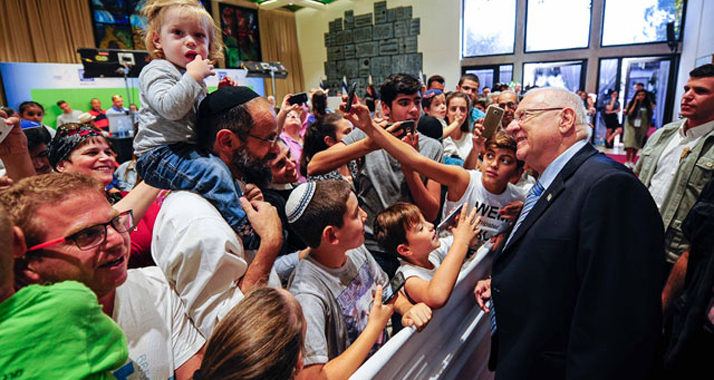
<point>298,201</point>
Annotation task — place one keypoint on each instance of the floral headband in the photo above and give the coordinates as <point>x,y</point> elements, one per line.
<point>67,138</point>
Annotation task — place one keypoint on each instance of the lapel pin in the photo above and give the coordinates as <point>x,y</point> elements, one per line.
<point>547,197</point>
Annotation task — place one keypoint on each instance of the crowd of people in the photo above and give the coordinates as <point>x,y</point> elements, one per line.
<point>259,242</point>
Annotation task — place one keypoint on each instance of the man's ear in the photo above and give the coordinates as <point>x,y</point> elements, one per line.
<point>226,141</point>
<point>19,247</point>
<point>567,121</point>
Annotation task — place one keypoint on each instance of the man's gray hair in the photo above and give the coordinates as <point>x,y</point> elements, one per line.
<point>560,97</point>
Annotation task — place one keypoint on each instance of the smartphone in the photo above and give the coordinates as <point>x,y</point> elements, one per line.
<point>450,219</point>
<point>4,129</point>
<point>492,120</point>
<point>351,97</point>
<point>394,287</point>
<point>298,98</point>
<point>407,126</point>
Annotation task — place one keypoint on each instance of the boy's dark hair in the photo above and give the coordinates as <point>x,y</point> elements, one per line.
<point>25,105</point>
<point>37,136</point>
<point>398,84</point>
<point>60,103</point>
<point>327,207</point>
<point>391,225</point>
<point>484,88</point>
<point>503,140</point>
<point>466,77</point>
<point>314,141</point>
<point>703,71</point>
<point>319,103</point>
<point>435,78</point>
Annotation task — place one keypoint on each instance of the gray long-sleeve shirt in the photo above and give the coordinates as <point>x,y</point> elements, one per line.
<point>169,101</point>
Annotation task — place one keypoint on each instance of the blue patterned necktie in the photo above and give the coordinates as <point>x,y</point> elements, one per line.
<point>533,195</point>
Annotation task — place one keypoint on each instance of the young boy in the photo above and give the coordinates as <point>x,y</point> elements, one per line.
<point>429,265</point>
<point>334,284</point>
<point>488,190</point>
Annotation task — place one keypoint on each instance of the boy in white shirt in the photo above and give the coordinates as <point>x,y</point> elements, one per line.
<point>489,190</point>
<point>429,265</point>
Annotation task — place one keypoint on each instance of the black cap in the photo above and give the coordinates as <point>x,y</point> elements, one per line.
<point>430,126</point>
<point>224,99</point>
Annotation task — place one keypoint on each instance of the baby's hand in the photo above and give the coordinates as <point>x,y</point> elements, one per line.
<point>199,69</point>
<point>467,226</point>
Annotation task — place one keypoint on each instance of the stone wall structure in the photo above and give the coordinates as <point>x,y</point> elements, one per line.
<point>377,44</point>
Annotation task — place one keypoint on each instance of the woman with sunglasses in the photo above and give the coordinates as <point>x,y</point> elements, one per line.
<point>82,148</point>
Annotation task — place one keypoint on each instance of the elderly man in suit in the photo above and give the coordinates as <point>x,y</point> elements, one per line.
<point>576,285</point>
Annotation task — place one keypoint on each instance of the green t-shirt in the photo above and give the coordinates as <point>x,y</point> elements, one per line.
<point>58,332</point>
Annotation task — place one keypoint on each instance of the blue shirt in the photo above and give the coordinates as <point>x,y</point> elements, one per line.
<point>552,171</point>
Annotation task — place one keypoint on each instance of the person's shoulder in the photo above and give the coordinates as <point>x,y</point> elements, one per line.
<point>187,204</point>
<point>158,67</point>
<point>68,295</point>
<point>428,144</point>
<point>306,279</point>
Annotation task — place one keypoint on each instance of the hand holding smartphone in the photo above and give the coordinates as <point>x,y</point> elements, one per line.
<point>492,120</point>
<point>450,219</point>
<point>393,288</point>
<point>4,129</point>
<point>299,98</point>
<point>351,97</point>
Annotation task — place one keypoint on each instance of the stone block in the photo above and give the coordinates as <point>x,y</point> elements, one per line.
<point>349,22</point>
<point>327,40</point>
<point>399,13</point>
<point>391,15</point>
<point>408,45</point>
<point>350,52</point>
<point>367,49</point>
<point>406,13</point>
<point>383,31</point>
<point>414,27</point>
<point>364,67</point>
<point>363,20</point>
<point>362,34</point>
<point>335,53</point>
<point>351,68</point>
<point>401,29</point>
<point>389,47</point>
<point>380,12</point>
<point>335,25</point>
<point>381,67</point>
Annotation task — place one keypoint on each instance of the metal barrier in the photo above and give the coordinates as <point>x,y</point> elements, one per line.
<point>454,345</point>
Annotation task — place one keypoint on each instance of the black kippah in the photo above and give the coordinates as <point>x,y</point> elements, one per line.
<point>224,99</point>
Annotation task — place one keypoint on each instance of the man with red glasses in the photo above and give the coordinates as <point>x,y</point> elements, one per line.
<point>73,233</point>
<point>575,288</point>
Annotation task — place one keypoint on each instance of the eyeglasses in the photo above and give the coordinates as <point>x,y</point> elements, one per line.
<point>96,235</point>
<point>511,105</point>
<point>271,140</point>
<point>523,115</point>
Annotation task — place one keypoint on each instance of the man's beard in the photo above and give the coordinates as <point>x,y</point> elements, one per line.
<point>252,168</point>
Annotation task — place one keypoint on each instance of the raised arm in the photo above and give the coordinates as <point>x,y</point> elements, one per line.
<point>436,293</point>
<point>14,152</point>
<point>344,365</point>
<point>456,178</point>
<point>139,200</point>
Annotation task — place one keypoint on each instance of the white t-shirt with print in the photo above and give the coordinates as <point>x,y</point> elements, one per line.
<point>436,257</point>
<point>159,334</point>
<point>487,205</point>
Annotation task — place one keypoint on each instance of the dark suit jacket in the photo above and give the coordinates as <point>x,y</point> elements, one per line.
<point>577,289</point>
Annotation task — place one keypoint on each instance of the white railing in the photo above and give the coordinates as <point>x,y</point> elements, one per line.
<point>454,345</point>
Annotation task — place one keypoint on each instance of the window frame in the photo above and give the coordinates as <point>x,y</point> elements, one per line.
<point>496,71</point>
<point>679,39</point>
<point>525,34</point>
<point>583,70</point>
<point>463,39</point>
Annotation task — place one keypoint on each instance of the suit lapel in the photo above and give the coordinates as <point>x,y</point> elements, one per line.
<point>550,195</point>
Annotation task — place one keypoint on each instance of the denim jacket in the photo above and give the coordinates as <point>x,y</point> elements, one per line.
<point>694,171</point>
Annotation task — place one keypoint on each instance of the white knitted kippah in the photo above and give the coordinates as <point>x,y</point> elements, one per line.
<point>298,201</point>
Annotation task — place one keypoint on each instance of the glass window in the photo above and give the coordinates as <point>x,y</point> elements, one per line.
<point>564,74</point>
<point>557,24</point>
<point>506,73</point>
<point>642,21</point>
<point>489,27</point>
<point>485,77</point>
